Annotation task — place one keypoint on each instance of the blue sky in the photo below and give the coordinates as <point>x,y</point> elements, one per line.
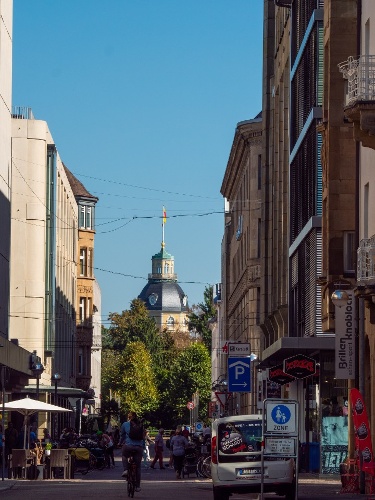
<point>142,98</point>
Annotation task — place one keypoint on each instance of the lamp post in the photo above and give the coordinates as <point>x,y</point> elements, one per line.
<point>56,377</point>
<point>37,370</point>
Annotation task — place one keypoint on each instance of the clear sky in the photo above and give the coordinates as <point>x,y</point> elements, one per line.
<point>142,98</point>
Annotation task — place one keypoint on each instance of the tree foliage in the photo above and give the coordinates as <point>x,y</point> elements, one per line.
<point>134,325</point>
<point>201,315</point>
<point>129,374</point>
<point>190,373</point>
<point>149,372</point>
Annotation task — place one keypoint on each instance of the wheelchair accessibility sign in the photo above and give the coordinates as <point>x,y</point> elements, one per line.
<point>280,417</point>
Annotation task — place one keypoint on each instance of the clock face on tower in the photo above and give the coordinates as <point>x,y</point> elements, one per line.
<point>152,299</point>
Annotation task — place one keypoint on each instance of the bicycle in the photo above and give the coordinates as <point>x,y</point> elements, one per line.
<point>132,476</point>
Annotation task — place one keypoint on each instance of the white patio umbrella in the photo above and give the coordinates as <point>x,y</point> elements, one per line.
<point>28,406</point>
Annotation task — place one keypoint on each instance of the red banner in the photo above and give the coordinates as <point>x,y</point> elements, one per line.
<point>362,431</point>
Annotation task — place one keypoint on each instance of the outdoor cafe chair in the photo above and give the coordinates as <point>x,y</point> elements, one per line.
<point>59,459</point>
<point>21,460</point>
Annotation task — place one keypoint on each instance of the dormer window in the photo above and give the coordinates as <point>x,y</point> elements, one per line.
<point>86,216</point>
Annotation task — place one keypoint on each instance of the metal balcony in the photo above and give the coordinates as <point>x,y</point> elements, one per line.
<point>22,112</point>
<point>360,74</point>
<point>359,107</point>
<point>366,261</point>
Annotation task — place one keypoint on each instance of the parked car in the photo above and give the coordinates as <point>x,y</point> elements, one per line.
<point>236,465</point>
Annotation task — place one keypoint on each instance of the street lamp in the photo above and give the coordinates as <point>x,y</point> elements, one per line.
<point>56,377</point>
<point>37,370</point>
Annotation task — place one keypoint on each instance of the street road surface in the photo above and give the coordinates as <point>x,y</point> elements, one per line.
<point>156,484</point>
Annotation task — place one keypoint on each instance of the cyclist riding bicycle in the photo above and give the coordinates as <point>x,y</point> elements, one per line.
<point>132,438</point>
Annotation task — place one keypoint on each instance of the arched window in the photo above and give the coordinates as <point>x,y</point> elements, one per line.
<point>170,322</point>
<point>166,268</point>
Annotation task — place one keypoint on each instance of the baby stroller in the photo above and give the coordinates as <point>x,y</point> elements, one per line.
<point>83,460</point>
<point>87,459</point>
<point>190,462</point>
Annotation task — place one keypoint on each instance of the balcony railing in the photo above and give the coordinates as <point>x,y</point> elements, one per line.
<point>22,112</point>
<point>360,73</point>
<point>366,260</point>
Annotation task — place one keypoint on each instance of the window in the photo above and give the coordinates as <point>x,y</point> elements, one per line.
<point>259,171</point>
<point>166,268</point>
<point>259,235</point>
<point>82,309</point>
<point>239,227</point>
<point>83,261</point>
<point>349,252</point>
<point>170,322</point>
<point>90,262</point>
<point>80,362</point>
<point>86,216</point>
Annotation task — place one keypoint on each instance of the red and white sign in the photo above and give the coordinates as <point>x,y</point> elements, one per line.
<point>213,408</point>
<point>190,405</point>
<point>362,430</point>
<point>223,397</point>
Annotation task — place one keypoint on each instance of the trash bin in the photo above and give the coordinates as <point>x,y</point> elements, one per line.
<point>309,460</point>
<point>314,457</point>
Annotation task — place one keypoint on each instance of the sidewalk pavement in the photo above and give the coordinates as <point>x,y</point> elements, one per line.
<point>332,482</point>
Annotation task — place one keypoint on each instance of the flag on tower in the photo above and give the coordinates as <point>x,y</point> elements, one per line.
<point>164,215</point>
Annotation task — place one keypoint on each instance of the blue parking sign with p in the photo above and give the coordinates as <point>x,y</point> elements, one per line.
<point>239,375</point>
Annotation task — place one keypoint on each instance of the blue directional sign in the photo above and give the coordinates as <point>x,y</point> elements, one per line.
<point>239,375</point>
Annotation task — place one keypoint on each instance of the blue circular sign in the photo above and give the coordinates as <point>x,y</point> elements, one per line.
<point>198,426</point>
<point>281,414</point>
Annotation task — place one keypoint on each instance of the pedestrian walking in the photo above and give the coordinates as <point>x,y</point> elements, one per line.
<point>178,446</point>
<point>108,445</point>
<point>159,449</point>
<point>146,449</point>
<point>11,437</point>
<point>168,445</point>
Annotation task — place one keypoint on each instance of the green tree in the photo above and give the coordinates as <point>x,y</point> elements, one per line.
<point>134,325</point>
<point>190,373</point>
<point>130,375</point>
<point>200,316</point>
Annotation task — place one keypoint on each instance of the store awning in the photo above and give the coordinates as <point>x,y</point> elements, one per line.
<point>289,346</point>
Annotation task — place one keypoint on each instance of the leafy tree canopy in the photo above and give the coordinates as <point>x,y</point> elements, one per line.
<point>200,316</point>
<point>190,373</point>
<point>132,378</point>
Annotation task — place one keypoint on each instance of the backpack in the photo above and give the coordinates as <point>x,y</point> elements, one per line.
<point>136,432</point>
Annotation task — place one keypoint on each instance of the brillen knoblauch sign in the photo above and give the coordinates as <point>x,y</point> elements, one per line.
<point>345,339</point>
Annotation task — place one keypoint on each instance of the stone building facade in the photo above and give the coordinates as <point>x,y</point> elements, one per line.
<point>241,266</point>
<point>85,305</point>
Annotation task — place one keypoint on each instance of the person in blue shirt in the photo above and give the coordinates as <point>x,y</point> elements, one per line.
<point>131,447</point>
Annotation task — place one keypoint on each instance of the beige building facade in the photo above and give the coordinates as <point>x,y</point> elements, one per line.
<point>358,106</point>
<point>44,239</point>
<point>14,360</point>
<point>241,266</point>
<point>85,305</point>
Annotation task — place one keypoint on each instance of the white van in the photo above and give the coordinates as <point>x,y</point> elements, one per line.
<point>236,460</point>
